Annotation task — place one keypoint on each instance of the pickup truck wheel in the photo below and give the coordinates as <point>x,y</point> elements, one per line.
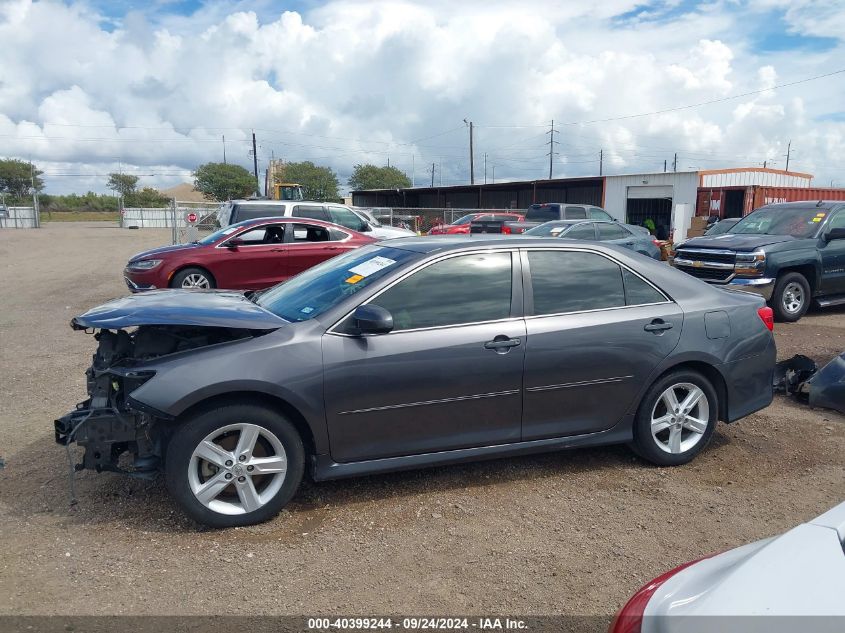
<point>791,297</point>
<point>676,418</point>
<point>234,465</point>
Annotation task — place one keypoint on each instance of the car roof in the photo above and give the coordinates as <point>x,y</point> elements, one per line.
<point>263,203</point>
<point>455,242</point>
<point>289,220</point>
<point>805,204</point>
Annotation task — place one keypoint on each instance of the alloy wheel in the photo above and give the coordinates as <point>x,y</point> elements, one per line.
<point>237,469</point>
<point>680,418</point>
<point>196,280</point>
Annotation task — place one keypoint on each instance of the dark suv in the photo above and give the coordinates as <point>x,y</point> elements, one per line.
<point>789,253</point>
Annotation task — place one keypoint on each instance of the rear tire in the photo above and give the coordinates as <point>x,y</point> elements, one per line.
<point>234,465</point>
<point>196,278</point>
<point>791,297</point>
<point>676,418</point>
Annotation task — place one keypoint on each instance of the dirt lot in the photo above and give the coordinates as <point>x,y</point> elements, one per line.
<point>571,533</point>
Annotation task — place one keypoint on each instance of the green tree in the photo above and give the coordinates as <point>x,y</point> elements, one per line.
<point>147,198</point>
<point>221,181</point>
<point>18,178</point>
<point>122,184</point>
<point>318,183</point>
<point>372,177</point>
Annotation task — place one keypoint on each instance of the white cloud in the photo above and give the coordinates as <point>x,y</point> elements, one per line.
<point>352,82</point>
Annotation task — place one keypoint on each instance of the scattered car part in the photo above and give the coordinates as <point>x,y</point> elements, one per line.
<point>799,376</point>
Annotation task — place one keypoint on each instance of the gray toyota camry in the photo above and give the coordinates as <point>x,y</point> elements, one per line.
<point>410,353</point>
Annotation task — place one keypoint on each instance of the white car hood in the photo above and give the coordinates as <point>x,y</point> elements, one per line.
<point>800,573</point>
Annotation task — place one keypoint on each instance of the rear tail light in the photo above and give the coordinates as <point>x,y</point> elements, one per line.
<point>506,230</point>
<point>768,317</point>
<point>630,617</point>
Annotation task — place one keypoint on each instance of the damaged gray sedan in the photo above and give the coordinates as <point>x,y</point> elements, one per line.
<point>412,353</point>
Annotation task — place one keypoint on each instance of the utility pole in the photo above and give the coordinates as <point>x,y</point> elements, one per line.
<point>601,161</point>
<point>675,162</point>
<point>485,168</point>
<point>255,165</point>
<point>471,160</point>
<point>664,165</point>
<point>788,151</point>
<point>432,175</point>
<point>413,171</point>
<point>493,180</point>
<point>388,161</point>
<point>551,145</point>
<point>224,149</point>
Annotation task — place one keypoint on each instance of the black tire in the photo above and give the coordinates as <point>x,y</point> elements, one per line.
<point>647,445</point>
<point>784,289</point>
<point>180,468</point>
<point>179,278</point>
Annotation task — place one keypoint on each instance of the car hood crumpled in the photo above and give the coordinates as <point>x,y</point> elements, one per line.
<point>180,307</point>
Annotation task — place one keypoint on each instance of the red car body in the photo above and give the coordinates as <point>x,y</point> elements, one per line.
<point>250,255</point>
<point>461,225</point>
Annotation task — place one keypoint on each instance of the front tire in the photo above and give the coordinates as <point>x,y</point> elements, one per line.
<point>234,465</point>
<point>791,297</point>
<point>676,418</point>
<point>193,278</point>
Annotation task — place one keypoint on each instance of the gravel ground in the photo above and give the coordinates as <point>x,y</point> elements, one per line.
<point>564,533</point>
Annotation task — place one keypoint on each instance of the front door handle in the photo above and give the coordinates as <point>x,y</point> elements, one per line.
<point>502,344</point>
<point>657,326</point>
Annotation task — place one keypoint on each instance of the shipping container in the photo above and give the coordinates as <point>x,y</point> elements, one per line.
<point>735,202</point>
<point>751,176</point>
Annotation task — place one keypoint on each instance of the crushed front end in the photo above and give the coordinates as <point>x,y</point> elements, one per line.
<point>118,433</point>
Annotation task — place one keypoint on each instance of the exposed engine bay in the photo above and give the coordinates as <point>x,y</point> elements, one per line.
<point>109,424</point>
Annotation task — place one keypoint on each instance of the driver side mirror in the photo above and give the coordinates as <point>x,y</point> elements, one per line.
<point>371,319</point>
<point>835,234</point>
<point>234,243</point>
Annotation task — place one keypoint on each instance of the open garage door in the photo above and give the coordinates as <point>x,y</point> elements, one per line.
<point>650,203</point>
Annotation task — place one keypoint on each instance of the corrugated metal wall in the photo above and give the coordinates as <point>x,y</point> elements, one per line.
<point>684,189</point>
<point>771,195</point>
<point>746,178</point>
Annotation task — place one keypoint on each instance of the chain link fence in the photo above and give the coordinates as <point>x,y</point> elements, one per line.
<point>18,218</point>
<point>177,217</point>
<point>421,220</point>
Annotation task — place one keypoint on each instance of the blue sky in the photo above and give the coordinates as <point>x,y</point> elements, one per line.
<point>154,86</point>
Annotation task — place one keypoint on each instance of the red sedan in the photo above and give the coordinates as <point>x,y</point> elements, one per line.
<point>461,225</point>
<point>250,255</point>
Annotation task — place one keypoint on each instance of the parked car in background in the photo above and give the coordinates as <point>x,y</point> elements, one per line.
<point>462,225</point>
<point>611,232</point>
<point>540,213</point>
<point>240,210</point>
<point>415,352</point>
<point>781,584</point>
<point>722,226</point>
<point>789,253</point>
<point>249,255</point>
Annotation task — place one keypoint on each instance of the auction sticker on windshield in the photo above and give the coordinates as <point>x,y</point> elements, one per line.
<point>371,266</point>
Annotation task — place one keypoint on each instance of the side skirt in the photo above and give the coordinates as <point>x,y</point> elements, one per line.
<point>324,468</point>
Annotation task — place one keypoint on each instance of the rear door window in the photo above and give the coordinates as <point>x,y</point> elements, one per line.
<point>312,211</point>
<point>241,212</point>
<point>576,213</point>
<point>312,233</point>
<point>612,232</point>
<point>573,281</point>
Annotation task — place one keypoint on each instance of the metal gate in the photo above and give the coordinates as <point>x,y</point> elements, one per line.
<point>18,218</point>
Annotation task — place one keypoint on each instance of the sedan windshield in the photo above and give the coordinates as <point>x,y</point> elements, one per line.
<point>801,223</point>
<point>465,220</point>
<point>322,287</point>
<point>548,229</point>
<point>226,230</point>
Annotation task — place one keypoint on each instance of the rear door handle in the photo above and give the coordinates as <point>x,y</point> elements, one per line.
<point>658,325</point>
<point>501,344</point>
